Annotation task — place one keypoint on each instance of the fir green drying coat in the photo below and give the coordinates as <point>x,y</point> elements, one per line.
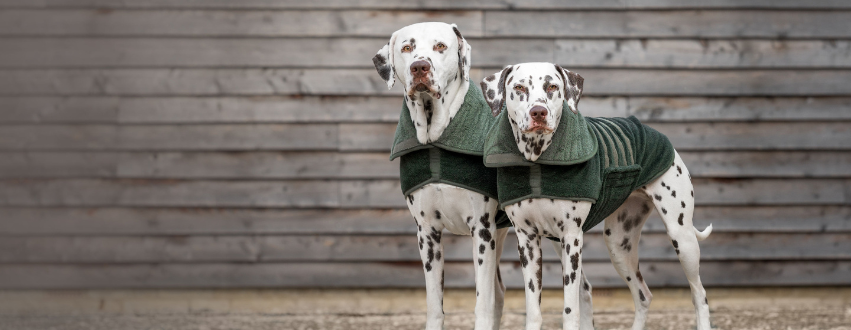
<point>601,160</point>
<point>455,158</point>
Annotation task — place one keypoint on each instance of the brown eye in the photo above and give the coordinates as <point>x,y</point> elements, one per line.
<point>519,88</point>
<point>440,47</point>
<point>406,49</point>
<point>552,88</point>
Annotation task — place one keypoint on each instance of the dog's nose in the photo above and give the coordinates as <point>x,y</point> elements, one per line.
<point>420,67</point>
<point>538,113</point>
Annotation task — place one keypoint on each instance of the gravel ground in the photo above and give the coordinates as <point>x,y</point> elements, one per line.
<point>811,317</point>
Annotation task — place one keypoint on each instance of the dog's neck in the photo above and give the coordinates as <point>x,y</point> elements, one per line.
<point>531,145</point>
<point>432,115</point>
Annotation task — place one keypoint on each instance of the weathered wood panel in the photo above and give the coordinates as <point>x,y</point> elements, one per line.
<point>700,24</point>
<point>397,248</point>
<point>29,221</point>
<point>329,165</point>
<point>366,82</point>
<point>223,23</point>
<point>405,274</point>
<point>378,137</point>
<point>313,109</point>
<point>326,52</point>
<point>315,23</point>
<point>434,4</point>
<point>356,193</point>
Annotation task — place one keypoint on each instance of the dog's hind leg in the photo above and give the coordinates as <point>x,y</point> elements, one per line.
<point>673,195</point>
<point>622,231</point>
<point>586,307</point>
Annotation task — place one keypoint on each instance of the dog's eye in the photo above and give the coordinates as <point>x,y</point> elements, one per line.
<point>440,47</point>
<point>552,88</point>
<point>519,88</point>
<point>406,49</point>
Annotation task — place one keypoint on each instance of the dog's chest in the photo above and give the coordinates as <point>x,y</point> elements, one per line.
<point>548,217</point>
<point>457,209</point>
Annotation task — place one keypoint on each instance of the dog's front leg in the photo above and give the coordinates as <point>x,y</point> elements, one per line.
<point>586,307</point>
<point>484,234</point>
<point>529,249</point>
<point>431,253</point>
<point>571,263</point>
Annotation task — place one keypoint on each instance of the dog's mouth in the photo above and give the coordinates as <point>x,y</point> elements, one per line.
<point>423,87</point>
<point>539,128</point>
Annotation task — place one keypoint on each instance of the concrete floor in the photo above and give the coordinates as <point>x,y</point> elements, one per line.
<point>775,308</point>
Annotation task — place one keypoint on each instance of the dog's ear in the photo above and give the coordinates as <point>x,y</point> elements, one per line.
<point>493,87</point>
<point>464,55</point>
<point>572,87</point>
<point>383,61</point>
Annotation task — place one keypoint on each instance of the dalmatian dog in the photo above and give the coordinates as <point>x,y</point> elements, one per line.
<point>432,62</point>
<point>533,94</point>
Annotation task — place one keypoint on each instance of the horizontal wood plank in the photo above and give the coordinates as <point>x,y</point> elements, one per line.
<point>404,274</point>
<point>366,82</point>
<point>325,52</point>
<point>35,221</point>
<point>378,137</point>
<point>355,193</point>
<point>397,248</point>
<point>223,23</point>
<point>434,4</point>
<point>679,24</point>
<point>373,165</point>
<point>291,109</point>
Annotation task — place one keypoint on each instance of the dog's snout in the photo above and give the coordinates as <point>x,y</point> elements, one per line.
<point>420,68</point>
<point>538,113</point>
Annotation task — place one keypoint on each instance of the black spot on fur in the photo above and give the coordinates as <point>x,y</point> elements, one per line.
<point>422,213</point>
<point>608,232</point>
<point>587,287</point>
<point>482,248</point>
<point>679,170</point>
<point>578,221</point>
<point>658,198</point>
<point>574,261</point>
<point>683,204</point>
<point>674,193</point>
<point>567,310</point>
<point>480,262</point>
<point>664,211</point>
<point>628,279</point>
<point>531,286</point>
<point>438,255</point>
<point>487,198</point>
<point>484,220</point>
<point>411,199</point>
<point>437,214</point>
<point>638,275</point>
<point>641,295</point>
<point>576,242</point>
<point>626,245</point>
<point>493,245</point>
<point>380,63</point>
<point>680,220</point>
<point>485,235</point>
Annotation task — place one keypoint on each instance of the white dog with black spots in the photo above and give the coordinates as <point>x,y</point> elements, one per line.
<point>432,61</point>
<point>533,94</point>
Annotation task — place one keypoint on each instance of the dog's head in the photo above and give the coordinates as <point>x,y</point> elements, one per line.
<point>425,57</point>
<point>533,95</point>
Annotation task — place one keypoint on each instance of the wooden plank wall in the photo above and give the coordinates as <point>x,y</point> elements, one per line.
<point>213,143</point>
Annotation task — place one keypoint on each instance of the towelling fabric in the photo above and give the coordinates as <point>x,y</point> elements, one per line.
<point>455,158</point>
<point>601,160</point>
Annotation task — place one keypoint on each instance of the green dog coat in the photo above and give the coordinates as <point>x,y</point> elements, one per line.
<point>455,158</point>
<point>600,160</point>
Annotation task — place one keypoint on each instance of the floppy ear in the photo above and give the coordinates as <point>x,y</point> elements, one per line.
<point>572,88</point>
<point>493,87</point>
<point>383,61</point>
<point>464,55</point>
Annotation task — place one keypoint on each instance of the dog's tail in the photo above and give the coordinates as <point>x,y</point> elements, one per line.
<point>702,235</point>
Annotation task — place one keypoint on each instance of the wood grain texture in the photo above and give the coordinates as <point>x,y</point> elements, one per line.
<point>225,23</point>
<point>249,165</point>
<point>366,82</point>
<point>107,221</point>
<point>378,137</point>
<point>316,109</point>
<point>400,274</point>
<point>397,248</point>
<point>694,24</point>
<point>434,4</point>
<point>356,193</point>
<point>337,52</point>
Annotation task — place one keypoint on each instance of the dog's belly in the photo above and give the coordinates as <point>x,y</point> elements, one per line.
<point>549,216</point>
<point>450,206</point>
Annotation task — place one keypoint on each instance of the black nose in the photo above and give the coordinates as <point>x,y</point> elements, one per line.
<point>420,67</point>
<point>538,113</point>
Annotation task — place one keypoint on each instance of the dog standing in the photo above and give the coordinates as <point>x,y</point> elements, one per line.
<point>432,62</point>
<point>536,97</point>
